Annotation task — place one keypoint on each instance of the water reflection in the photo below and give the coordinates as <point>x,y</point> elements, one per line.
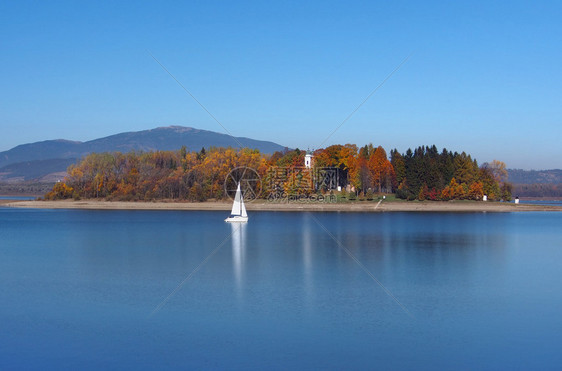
<point>307,248</point>
<point>238,239</point>
<point>82,281</point>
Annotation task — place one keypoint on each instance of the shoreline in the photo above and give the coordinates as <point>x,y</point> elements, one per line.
<point>386,206</point>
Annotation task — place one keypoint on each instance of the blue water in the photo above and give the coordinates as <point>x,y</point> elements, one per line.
<point>543,202</point>
<point>126,289</point>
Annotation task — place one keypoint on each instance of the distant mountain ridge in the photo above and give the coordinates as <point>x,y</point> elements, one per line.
<point>518,176</point>
<point>27,161</point>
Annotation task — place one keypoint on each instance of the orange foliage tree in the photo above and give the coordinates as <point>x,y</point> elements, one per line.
<point>384,178</point>
<point>60,191</point>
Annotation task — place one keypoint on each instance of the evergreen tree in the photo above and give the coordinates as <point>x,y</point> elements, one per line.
<point>399,165</point>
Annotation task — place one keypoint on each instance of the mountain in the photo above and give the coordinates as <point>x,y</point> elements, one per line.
<point>536,183</point>
<point>40,170</point>
<point>49,149</point>
<point>518,176</point>
<point>38,160</point>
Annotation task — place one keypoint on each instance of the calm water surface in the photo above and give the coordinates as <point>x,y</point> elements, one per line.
<point>116,289</point>
<point>543,202</point>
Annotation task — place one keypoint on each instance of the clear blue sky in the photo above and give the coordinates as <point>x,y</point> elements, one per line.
<point>484,77</point>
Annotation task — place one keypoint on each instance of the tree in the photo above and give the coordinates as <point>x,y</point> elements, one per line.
<point>424,193</point>
<point>476,191</point>
<point>360,175</point>
<point>498,170</point>
<point>506,189</point>
<point>465,169</point>
<point>60,191</point>
<point>382,171</point>
<point>398,164</point>
<point>454,191</point>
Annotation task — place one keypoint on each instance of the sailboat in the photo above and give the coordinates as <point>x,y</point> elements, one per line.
<point>238,213</point>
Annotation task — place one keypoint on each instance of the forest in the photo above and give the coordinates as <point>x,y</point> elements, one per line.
<point>422,174</point>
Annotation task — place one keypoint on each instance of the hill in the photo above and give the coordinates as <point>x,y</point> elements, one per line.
<point>517,176</point>
<point>39,170</point>
<point>48,159</point>
<point>536,183</point>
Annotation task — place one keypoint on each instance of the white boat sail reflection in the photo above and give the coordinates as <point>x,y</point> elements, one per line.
<point>238,238</point>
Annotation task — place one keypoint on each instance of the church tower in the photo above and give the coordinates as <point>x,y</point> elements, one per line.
<point>308,160</point>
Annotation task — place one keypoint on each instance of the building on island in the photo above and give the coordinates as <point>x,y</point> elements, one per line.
<point>308,160</point>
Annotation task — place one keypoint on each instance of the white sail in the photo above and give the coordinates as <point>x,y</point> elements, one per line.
<point>238,213</point>
<point>237,205</point>
<point>242,206</point>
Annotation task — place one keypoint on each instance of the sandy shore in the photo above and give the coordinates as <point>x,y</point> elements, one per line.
<point>453,206</point>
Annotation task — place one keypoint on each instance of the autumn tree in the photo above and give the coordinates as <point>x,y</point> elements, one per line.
<point>60,191</point>
<point>498,170</point>
<point>382,170</point>
<point>361,175</point>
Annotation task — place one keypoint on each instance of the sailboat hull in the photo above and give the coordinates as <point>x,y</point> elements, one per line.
<point>236,219</point>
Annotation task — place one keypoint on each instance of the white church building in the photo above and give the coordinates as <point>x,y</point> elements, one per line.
<point>308,160</point>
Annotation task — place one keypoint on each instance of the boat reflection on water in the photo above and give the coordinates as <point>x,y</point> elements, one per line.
<point>238,239</point>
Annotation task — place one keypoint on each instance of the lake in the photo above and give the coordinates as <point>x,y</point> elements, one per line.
<point>170,289</point>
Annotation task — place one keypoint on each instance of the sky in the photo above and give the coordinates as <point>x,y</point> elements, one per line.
<point>480,77</point>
